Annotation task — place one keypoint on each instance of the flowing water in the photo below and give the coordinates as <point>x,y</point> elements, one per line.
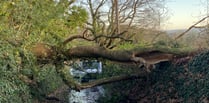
<point>79,70</point>
<point>89,95</point>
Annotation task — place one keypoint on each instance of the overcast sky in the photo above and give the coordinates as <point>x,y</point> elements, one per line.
<point>184,13</point>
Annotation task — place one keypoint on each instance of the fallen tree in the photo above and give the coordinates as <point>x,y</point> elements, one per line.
<point>144,57</point>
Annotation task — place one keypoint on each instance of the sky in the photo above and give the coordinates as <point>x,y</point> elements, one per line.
<point>184,13</point>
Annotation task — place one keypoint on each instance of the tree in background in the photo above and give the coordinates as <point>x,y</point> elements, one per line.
<point>113,18</point>
<point>201,26</point>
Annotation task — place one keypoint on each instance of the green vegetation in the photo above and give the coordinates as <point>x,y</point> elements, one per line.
<point>195,86</point>
<point>182,82</point>
<point>16,64</point>
<point>117,92</point>
<point>24,22</point>
<point>186,82</point>
<point>24,80</point>
<point>39,21</point>
<point>12,88</point>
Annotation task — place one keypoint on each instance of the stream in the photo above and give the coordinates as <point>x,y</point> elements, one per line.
<point>79,70</point>
<point>89,95</point>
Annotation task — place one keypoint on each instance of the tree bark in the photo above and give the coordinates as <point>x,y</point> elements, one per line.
<point>146,55</point>
<point>138,55</point>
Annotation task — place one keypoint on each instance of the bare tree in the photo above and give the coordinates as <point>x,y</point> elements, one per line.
<point>202,25</point>
<point>107,16</point>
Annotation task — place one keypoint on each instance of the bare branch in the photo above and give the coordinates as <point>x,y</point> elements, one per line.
<point>68,79</point>
<point>99,6</point>
<point>193,26</point>
<point>204,26</point>
<point>95,38</point>
<point>113,37</point>
<point>77,37</point>
<point>110,80</point>
<point>134,13</point>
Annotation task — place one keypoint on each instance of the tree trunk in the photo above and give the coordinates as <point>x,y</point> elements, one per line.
<point>139,55</point>
<point>151,56</point>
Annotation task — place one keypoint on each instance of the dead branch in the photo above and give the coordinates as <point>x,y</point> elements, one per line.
<point>75,37</point>
<point>204,26</point>
<point>109,80</point>
<point>68,79</point>
<point>193,26</point>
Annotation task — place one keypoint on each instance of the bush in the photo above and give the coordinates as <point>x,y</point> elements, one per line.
<point>15,62</point>
<point>186,83</point>
<point>12,89</point>
<point>196,86</point>
<point>47,82</point>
